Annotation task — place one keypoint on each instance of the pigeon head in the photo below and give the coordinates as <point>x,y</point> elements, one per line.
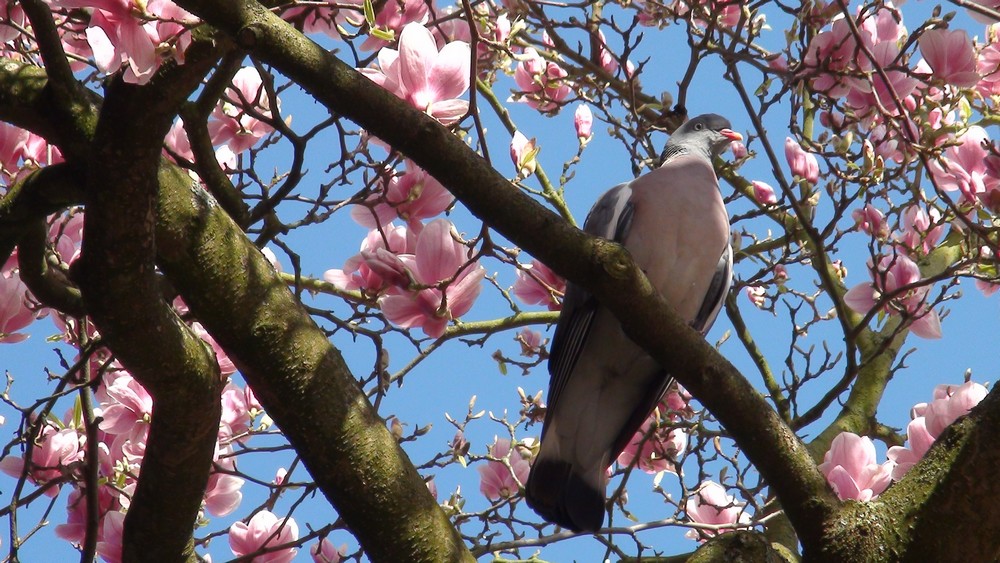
<point>708,134</point>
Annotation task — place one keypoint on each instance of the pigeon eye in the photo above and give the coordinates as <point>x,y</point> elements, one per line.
<point>698,126</point>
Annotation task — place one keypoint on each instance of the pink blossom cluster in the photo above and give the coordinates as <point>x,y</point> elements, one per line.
<point>135,37</point>
<point>543,84</point>
<point>16,310</point>
<point>238,122</point>
<point>538,285</point>
<point>851,466</point>
<point>490,28</point>
<point>970,168</point>
<point>892,101</point>
<point>726,13</point>
<point>930,419</point>
<point>423,275</point>
<point>836,61</point>
<point>496,480</point>
<point>897,287</point>
<point>411,196</point>
<point>22,151</point>
<point>264,530</point>
<point>125,411</point>
<point>659,442</point>
<point>428,78</point>
<point>711,505</point>
<point>324,17</point>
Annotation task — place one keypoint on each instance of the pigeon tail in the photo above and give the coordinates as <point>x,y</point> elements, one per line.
<point>560,494</point>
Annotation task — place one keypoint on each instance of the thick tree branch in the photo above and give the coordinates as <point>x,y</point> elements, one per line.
<point>300,378</point>
<point>46,282</point>
<point>122,295</point>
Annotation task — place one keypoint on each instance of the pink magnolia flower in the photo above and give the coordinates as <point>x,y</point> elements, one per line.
<point>895,273</point>
<point>231,124</point>
<point>125,403</point>
<point>764,193</point>
<point>987,287</point>
<point>66,233</point>
<point>866,94</point>
<point>428,79</point>
<point>919,440</point>
<point>119,39</point>
<point>15,313</point>
<point>226,366</point>
<point>922,229</point>
<point>177,143</point>
<point>711,505</point>
<point>323,551</point>
<point>395,16</point>
<point>606,58</point>
<point>53,451</point>
<point>14,14</point>
<point>531,342</point>
<point>450,283</point>
<point>133,35</point>
<point>726,13</point>
<point>495,480</point>
<point>538,285</point>
<point>983,18</point>
<point>412,196</point>
<point>988,67</point>
<point>264,530</point>
<point>802,163</point>
<point>376,267</point>
<point>324,17</point>
<point>829,54</point>
<point>778,63</point>
<point>448,25</point>
<point>543,83</point>
<point>950,54</point>
<point>522,154</point>
<point>963,167</point>
<point>951,402</point>
<point>929,420</point>
<point>12,141</point>
<point>583,120</point>
<point>870,220</point>
<point>236,419</point>
<point>75,528</point>
<point>110,546</point>
<point>655,447</point>
<point>757,295</point>
<point>677,402</point>
<point>851,469</point>
<point>222,494</point>
<point>739,149</point>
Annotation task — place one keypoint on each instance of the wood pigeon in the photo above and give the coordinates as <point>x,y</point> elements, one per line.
<point>603,386</point>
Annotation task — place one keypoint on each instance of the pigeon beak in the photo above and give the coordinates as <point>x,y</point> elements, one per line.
<point>731,135</point>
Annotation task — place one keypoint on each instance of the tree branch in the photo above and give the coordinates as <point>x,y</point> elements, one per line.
<point>300,378</point>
